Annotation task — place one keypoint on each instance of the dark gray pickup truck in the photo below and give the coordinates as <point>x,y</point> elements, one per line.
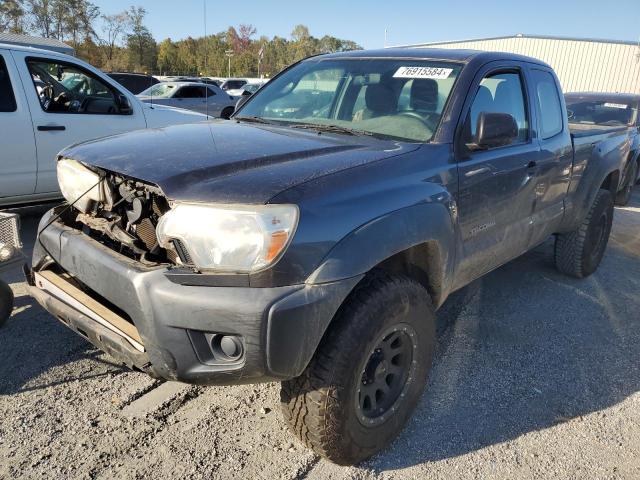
<point>311,239</point>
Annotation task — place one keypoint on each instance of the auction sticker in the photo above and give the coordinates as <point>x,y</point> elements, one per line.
<point>423,72</point>
<point>616,105</point>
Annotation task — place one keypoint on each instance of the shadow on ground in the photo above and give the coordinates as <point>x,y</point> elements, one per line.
<point>526,348</point>
<point>32,341</point>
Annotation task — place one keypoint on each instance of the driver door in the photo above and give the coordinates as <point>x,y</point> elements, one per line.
<point>87,110</point>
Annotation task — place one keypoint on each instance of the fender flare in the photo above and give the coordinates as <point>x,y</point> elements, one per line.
<point>428,224</point>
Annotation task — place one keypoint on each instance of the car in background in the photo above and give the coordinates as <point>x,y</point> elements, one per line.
<point>207,80</point>
<point>48,101</point>
<point>134,82</point>
<point>611,110</point>
<point>201,98</point>
<point>246,90</point>
<point>233,83</point>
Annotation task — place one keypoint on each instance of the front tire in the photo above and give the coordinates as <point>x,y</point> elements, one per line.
<point>6,302</point>
<point>579,253</point>
<point>368,373</point>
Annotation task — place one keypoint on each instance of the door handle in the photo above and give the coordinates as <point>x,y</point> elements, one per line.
<point>51,128</point>
<point>532,164</point>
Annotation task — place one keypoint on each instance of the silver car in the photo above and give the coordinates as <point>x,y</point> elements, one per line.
<point>202,98</point>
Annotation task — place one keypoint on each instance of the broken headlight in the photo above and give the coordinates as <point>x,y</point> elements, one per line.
<point>78,181</point>
<point>230,238</point>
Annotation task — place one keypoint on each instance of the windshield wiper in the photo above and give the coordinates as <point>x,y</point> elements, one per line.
<point>331,128</point>
<point>252,119</point>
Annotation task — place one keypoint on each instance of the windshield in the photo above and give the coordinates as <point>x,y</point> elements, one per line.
<point>600,112</point>
<point>393,98</point>
<point>159,90</point>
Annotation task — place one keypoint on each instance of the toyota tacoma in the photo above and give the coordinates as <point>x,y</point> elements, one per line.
<point>311,239</point>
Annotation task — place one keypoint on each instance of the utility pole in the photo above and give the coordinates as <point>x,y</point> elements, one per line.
<point>385,38</point>
<point>229,54</point>
<point>260,55</point>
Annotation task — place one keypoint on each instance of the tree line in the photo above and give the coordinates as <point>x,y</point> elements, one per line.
<point>122,42</point>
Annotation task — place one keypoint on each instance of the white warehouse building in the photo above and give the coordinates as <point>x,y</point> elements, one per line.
<point>582,65</point>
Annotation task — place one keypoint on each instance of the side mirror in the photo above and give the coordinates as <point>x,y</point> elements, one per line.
<point>494,130</point>
<point>124,105</point>
<point>241,102</point>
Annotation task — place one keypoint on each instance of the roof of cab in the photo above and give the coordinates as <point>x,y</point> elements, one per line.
<point>25,48</point>
<point>444,54</point>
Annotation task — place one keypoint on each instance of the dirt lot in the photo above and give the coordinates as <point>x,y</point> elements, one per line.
<point>536,376</point>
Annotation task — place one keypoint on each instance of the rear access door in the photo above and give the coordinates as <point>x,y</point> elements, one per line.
<point>555,159</point>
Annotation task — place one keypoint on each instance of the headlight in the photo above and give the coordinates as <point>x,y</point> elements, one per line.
<point>230,238</point>
<point>75,180</point>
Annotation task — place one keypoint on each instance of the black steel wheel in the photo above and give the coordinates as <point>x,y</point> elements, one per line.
<point>387,374</point>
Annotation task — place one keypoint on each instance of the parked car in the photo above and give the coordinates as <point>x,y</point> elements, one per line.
<point>617,110</point>
<point>134,82</point>
<point>246,90</point>
<point>233,83</point>
<point>50,100</point>
<point>313,244</point>
<point>207,99</point>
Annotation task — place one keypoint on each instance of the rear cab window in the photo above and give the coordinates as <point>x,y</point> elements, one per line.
<point>7,97</point>
<point>548,102</point>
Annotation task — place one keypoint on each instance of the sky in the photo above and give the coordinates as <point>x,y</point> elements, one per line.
<point>407,22</point>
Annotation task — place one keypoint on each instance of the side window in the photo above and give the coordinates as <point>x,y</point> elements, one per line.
<point>500,93</point>
<point>7,98</point>
<point>190,92</point>
<point>210,92</point>
<point>64,88</point>
<point>548,104</point>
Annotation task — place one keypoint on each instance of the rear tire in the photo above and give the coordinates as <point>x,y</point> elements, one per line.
<point>6,302</point>
<point>579,253</point>
<point>368,373</point>
<point>624,195</point>
<point>227,112</point>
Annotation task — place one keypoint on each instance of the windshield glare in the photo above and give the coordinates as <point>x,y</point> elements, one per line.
<point>600,112</point>
<point>159,90</point>
<point>401,99</point>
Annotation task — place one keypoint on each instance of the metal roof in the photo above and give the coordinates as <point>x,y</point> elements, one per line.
<point>521,35</point>
<point>36,42</point>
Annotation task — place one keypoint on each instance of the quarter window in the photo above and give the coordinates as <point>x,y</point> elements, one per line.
<point>7,98</point>
<point>548,103</point>
<point>500,93</point>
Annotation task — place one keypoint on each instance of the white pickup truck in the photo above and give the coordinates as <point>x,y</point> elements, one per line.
<point>49,101</point>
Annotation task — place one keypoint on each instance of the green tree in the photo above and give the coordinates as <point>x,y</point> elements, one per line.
<point>140,42</point>
<point>12,16</point>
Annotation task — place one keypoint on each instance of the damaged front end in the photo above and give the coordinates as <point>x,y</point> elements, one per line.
<point>123,216</point>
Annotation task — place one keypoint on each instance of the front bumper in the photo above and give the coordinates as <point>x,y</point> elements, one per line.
<point>279,328</point>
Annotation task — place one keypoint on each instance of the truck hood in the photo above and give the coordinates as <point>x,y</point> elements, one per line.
<point>229,162</point>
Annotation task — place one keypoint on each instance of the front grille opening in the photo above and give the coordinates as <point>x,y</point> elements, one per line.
<point>127,223</point>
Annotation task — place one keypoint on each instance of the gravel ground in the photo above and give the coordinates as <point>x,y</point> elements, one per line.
<point>536,376</point>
